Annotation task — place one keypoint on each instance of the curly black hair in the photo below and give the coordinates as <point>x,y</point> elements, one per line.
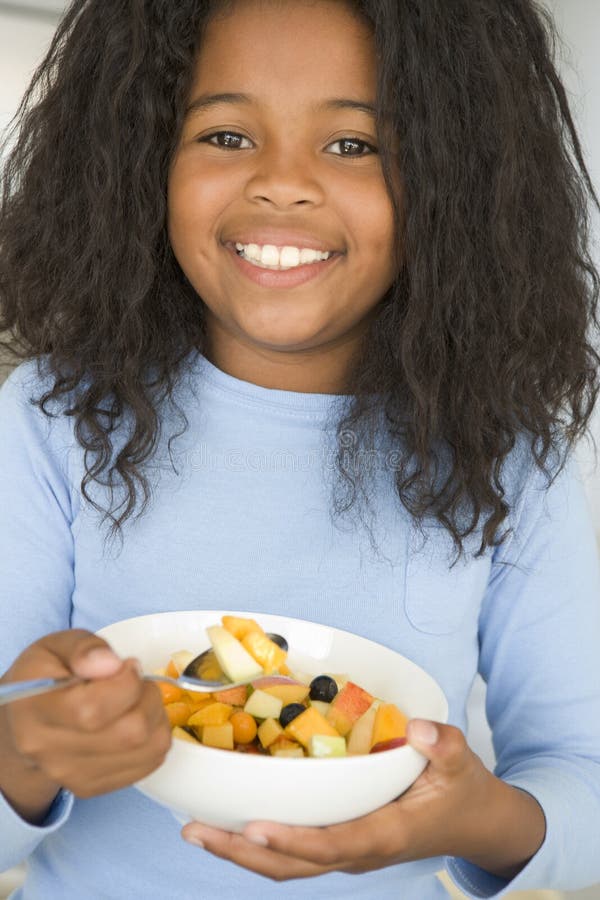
<point>488,332</point>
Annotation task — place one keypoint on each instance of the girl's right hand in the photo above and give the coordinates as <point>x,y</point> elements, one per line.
<point>89,738</point>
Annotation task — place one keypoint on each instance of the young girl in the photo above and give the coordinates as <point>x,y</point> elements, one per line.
<point>305,304</point>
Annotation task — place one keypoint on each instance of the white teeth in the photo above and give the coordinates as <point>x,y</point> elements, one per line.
<point>271,257</point>
<point>289,256</point>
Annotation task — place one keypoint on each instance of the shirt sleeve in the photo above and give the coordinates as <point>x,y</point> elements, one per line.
<point>36,547</point>
<point>540,657</point>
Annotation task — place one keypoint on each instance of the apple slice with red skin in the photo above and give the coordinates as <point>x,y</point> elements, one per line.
<point>388,745</point>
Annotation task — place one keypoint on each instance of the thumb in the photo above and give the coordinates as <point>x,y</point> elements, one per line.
<point>443,745</point>
<point>84,653</point>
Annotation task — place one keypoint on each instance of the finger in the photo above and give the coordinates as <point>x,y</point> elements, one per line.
<point>82,653</point>
<point>237,849</point>
<point>93,705</point>
<point>85,764</point>
<point>379,834</point>
<point>443,745</point>
<point>117,773</point>
<point>73,736</point>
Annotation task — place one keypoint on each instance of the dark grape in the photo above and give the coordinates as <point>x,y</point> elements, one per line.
<point>323,688</point>
<point>280,641</point>
<point>289,712</point>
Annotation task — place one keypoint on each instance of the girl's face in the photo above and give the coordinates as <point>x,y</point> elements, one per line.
<point>278,150</point>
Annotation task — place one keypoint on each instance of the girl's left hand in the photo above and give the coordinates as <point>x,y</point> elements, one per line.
<point>456,807</point>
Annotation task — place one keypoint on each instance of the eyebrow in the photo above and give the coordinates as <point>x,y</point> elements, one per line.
<point>206,101</point>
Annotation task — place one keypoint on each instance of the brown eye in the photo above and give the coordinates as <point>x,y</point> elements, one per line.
<point>353,147</point>
<point>228,140</point>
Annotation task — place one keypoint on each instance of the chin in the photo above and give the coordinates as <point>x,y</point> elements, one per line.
<point>286,336</point>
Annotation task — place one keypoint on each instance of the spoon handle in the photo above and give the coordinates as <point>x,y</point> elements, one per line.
<point>19,690</point>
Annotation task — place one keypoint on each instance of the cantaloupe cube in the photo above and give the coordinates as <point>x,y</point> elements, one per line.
<point>389,723</point>
<point>196,707</point>
<point>218,736</point>
<point>239,626</point>
<point>235,696</point>
<point>269,731</point>
<point>308,723</point>
<point>178,713</point>
<point>169,693</point>
<point>289,751</point>
<point>266,652</point>
<point>282,746</point>
<point>214,714</point>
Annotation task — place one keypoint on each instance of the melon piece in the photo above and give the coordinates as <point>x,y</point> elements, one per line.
<point>180,659</point>
<point>234,659</point>
<point>178,713</point>
<point>239,626</point>
<point>220,736</point>
<point>265,651</point>
<point>308,723</point>
<point>198,700</point>
<point>359,739</point>
<point>263,706</point>
<point>289,751</point>
<point>214,714</point>
<point>282,746</point>
<point>183,735</point>
<point>323,745</point>
<point>348,706</point>
<point>320,706</point>
<point>288,690</point>
<point>235,696</point>
<point>269,731</point>
<point>389,724</point>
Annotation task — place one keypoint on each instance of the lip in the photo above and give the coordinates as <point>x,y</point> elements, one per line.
<point>286,278</point>
<point>282,238</point>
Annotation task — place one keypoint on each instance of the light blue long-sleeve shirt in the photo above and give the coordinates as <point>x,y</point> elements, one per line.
<point>243,521</point>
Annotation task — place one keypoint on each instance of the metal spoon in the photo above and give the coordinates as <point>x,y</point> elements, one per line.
<point>188,680</point>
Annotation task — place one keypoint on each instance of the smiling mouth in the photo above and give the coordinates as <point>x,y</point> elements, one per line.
<point>281,259</point>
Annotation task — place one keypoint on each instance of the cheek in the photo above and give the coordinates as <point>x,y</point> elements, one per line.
<point>373,229</point>
<point>196,201</point>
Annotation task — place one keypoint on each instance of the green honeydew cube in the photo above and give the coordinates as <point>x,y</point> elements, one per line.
<point>326,745</point>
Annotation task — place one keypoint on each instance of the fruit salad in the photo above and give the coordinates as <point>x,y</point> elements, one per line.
<point>279,713</point>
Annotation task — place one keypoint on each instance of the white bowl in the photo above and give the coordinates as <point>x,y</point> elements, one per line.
<point>228,789</point>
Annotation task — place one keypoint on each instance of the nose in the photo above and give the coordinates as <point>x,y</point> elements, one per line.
<point>282,178</point>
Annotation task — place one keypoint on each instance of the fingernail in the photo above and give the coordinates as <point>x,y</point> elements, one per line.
<point>100,654</point>
<point>192,839</point>
<point>103,660</point>
<point>423,731</point>
<point>257,838</point>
